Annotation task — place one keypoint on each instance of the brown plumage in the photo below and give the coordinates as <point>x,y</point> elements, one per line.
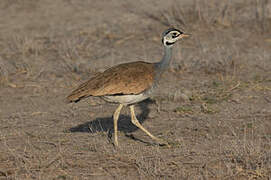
<point>128,78</point>
<point>129,83</point>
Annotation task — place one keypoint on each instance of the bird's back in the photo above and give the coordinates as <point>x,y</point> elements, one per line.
<point>123,79</point>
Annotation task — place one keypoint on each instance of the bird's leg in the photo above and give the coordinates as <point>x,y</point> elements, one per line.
<point>136,122</point>
<point>116,117</point>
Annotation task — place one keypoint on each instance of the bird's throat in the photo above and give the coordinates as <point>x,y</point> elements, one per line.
<point>164,63</point>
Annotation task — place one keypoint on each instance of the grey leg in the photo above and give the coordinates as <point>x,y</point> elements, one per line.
<point>116,117</point>
<point>135,122</point>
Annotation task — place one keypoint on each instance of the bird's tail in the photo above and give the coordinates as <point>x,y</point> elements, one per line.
<point>70,99</point>
<point>75,97</point>
<point>81,92</point>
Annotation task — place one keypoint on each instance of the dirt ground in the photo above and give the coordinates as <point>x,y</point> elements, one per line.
<point>214,105</point>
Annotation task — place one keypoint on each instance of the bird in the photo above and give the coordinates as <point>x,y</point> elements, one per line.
<point>130,83</point>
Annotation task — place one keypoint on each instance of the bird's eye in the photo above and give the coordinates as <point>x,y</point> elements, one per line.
<point>175,34</point>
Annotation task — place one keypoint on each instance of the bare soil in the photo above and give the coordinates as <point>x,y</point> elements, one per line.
<point>214,105</point>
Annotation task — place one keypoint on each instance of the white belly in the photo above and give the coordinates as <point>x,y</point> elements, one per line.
<point>126,99</point>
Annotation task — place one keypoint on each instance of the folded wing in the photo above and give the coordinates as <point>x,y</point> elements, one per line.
<point>129,78</point>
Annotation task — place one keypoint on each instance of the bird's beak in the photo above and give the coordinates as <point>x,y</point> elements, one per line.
<point>184,35</point>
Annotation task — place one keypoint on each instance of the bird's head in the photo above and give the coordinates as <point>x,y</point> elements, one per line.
<point>172,35</point>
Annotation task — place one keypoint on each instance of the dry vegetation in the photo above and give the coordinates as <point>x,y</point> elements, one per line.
<point>217,116</point>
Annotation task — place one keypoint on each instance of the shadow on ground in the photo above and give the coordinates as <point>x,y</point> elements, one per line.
<point>105,124</point>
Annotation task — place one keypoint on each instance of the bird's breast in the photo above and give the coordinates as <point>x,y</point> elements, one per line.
<point>126,99</point>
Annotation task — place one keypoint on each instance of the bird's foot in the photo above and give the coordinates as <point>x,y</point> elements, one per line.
<point>164,143</point>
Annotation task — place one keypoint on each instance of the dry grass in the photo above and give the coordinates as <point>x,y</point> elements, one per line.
<point>213,107</point>
<point>222,14</point>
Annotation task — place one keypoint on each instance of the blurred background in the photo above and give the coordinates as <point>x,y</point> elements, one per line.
<point>48,38</point>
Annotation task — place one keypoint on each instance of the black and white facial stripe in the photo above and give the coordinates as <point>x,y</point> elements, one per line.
<point>170,36</point>
<point>171,30</point>
<point>169,43</point>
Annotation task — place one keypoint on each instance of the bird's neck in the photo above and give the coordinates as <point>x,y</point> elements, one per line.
<point>164,63</point>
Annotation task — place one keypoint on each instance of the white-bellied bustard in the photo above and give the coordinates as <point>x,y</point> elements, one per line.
<point>129,83</point>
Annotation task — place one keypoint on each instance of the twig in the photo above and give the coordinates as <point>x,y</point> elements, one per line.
<point>234,87</point>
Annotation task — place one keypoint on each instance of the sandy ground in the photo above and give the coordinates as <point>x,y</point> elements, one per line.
<point>214,105</point>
